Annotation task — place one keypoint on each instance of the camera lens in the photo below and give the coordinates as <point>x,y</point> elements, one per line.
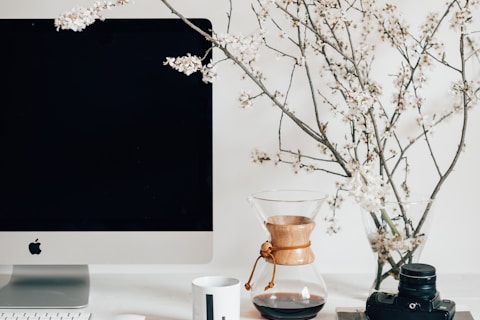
<point>417,280</point>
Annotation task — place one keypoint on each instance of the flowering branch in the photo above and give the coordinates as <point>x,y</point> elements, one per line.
<point>331,48</point>
<point>370,121</point>
<point>79,18</point>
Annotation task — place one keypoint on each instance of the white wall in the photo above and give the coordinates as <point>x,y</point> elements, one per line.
<point>454,240</point>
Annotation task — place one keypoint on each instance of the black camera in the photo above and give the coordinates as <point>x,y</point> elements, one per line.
<point>417,298</point>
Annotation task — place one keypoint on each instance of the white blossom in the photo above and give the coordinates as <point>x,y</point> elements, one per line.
<point>190,64</point>
<point>367,188</point>
<point>187,64</point>
<point>259,156</point>
<point>77,19</point>
<point>245,98</point>
<point>385,243</point>
<point>360,103</point>
<point>209,73</point>
<point>462,15</point>
<point>245,47</point>
<point>332,225</point>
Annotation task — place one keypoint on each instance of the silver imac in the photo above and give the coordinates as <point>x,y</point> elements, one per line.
<point>105,154</point>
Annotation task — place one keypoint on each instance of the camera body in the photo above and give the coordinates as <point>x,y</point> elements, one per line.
<point>384,306</point>
<point>417,298</point>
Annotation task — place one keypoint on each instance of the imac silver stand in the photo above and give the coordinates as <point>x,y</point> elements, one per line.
<point>46,286</point>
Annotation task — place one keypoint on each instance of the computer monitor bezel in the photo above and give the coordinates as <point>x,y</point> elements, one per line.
<point>85,245</point>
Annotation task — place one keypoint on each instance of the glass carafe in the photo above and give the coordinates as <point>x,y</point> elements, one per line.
<point>288,286</point>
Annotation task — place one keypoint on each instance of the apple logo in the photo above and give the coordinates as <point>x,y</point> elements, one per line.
<point>34,247</point>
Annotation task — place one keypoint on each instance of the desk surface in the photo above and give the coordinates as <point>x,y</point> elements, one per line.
<point>168,296</point>
<point>162,295</point>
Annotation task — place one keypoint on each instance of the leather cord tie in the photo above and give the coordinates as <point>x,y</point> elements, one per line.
<point>266,251</point>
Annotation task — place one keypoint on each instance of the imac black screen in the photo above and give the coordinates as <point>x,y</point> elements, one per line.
<point>96,134</point>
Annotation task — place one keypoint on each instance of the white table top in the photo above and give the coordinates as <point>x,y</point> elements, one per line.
<point>168,296</point>
<point>162,296</point>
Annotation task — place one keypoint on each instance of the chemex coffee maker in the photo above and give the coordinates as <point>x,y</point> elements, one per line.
<point>288,286</point>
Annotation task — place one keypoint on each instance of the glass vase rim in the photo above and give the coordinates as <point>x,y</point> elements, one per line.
<point>413,200</point>
<point>274,195</point>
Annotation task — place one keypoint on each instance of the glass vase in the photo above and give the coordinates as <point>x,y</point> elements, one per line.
<point>288,284</point>
<point>397,233</point>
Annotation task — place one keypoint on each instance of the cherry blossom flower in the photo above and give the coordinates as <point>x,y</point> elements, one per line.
<point>79,18</point>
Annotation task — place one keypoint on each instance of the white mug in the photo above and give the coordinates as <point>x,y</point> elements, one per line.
<point>216,298</point>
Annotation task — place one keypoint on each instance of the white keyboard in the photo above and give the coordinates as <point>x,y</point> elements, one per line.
<point>6,314</point>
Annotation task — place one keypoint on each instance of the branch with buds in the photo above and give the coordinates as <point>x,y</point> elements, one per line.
<point>364,121</point>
